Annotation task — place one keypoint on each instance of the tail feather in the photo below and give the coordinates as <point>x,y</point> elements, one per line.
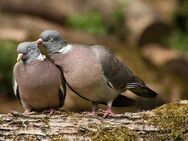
<point>141,90</point>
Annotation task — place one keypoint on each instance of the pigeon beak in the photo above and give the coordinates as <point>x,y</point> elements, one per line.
<point>39,41</point>
<point>22,57</point>
<point>19,56</point>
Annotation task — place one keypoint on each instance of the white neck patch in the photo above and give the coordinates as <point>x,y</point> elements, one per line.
<point>66,49</point>
<point>41,57</point>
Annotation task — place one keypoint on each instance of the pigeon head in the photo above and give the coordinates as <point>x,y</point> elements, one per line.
<point>28,52</point>
<point>52,41</point>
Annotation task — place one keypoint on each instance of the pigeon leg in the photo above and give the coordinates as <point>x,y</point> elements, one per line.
<point>28,109</point>
<point>29,112</point>
<point>94,107</point>
<point>108,112</point>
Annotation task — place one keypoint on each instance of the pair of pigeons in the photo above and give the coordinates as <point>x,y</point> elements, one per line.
<point>92,72</point>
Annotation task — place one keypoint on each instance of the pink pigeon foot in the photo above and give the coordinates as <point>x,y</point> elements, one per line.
<point>93,113</point>
<point>29,112</point>
<point>107,112</point>
<point>52,111</point>
<point>94,109</point>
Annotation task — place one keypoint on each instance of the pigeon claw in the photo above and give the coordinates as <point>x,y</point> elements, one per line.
<point>52,111</point>
<point>107,113</point>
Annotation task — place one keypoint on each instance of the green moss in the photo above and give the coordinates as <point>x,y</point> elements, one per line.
<point>7,61</point>
<point>179,38</point>
<point>172,119</point>
<point>28,138</point>
<point>115,23</point>
<point>31,139</point>
<point>94,22</point>
<point>112,134</point>
<point>58,138</point>
<point>91,22</point>
<point>1,120</point>
<point>45,120</point>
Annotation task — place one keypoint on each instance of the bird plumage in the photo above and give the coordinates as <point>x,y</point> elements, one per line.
<point>93,72</point>
<point>37,82</point>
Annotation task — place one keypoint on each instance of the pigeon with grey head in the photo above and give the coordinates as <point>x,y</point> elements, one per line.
<point>93,72</point>
<point>37,82</point>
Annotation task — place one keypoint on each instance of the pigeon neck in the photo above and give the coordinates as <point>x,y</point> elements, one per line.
<point>66,49</point>
<point>34,57</point>
<point>41,57</point>
<point>56,48</point>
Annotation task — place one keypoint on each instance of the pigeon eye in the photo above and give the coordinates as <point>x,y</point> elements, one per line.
<point>29,49</point>
<point>50,39</point>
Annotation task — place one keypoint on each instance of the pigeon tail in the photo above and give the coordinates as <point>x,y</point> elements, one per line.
<point>140,89</point>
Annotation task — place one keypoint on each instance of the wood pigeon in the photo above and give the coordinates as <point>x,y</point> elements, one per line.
<point>93,72</point>
<point>37,82</point>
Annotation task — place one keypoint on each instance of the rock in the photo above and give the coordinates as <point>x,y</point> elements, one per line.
<point>171,59</point>
<point>158,55</point>
<point>143,24</point>
<point>179,67</point>
<point>14,34</point>
<point>165,8</point>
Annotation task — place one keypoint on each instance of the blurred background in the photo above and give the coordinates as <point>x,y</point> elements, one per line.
<point>149,36</point>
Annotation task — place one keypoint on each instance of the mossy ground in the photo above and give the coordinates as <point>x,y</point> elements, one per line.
<point>58,138</point>
<point>172,119</point>
<point>112,134</point>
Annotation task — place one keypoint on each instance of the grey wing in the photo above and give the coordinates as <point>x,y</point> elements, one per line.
<point>119,76</point>
<point>15,87</point>
<point>116,73</point>
<point>62,90</point>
